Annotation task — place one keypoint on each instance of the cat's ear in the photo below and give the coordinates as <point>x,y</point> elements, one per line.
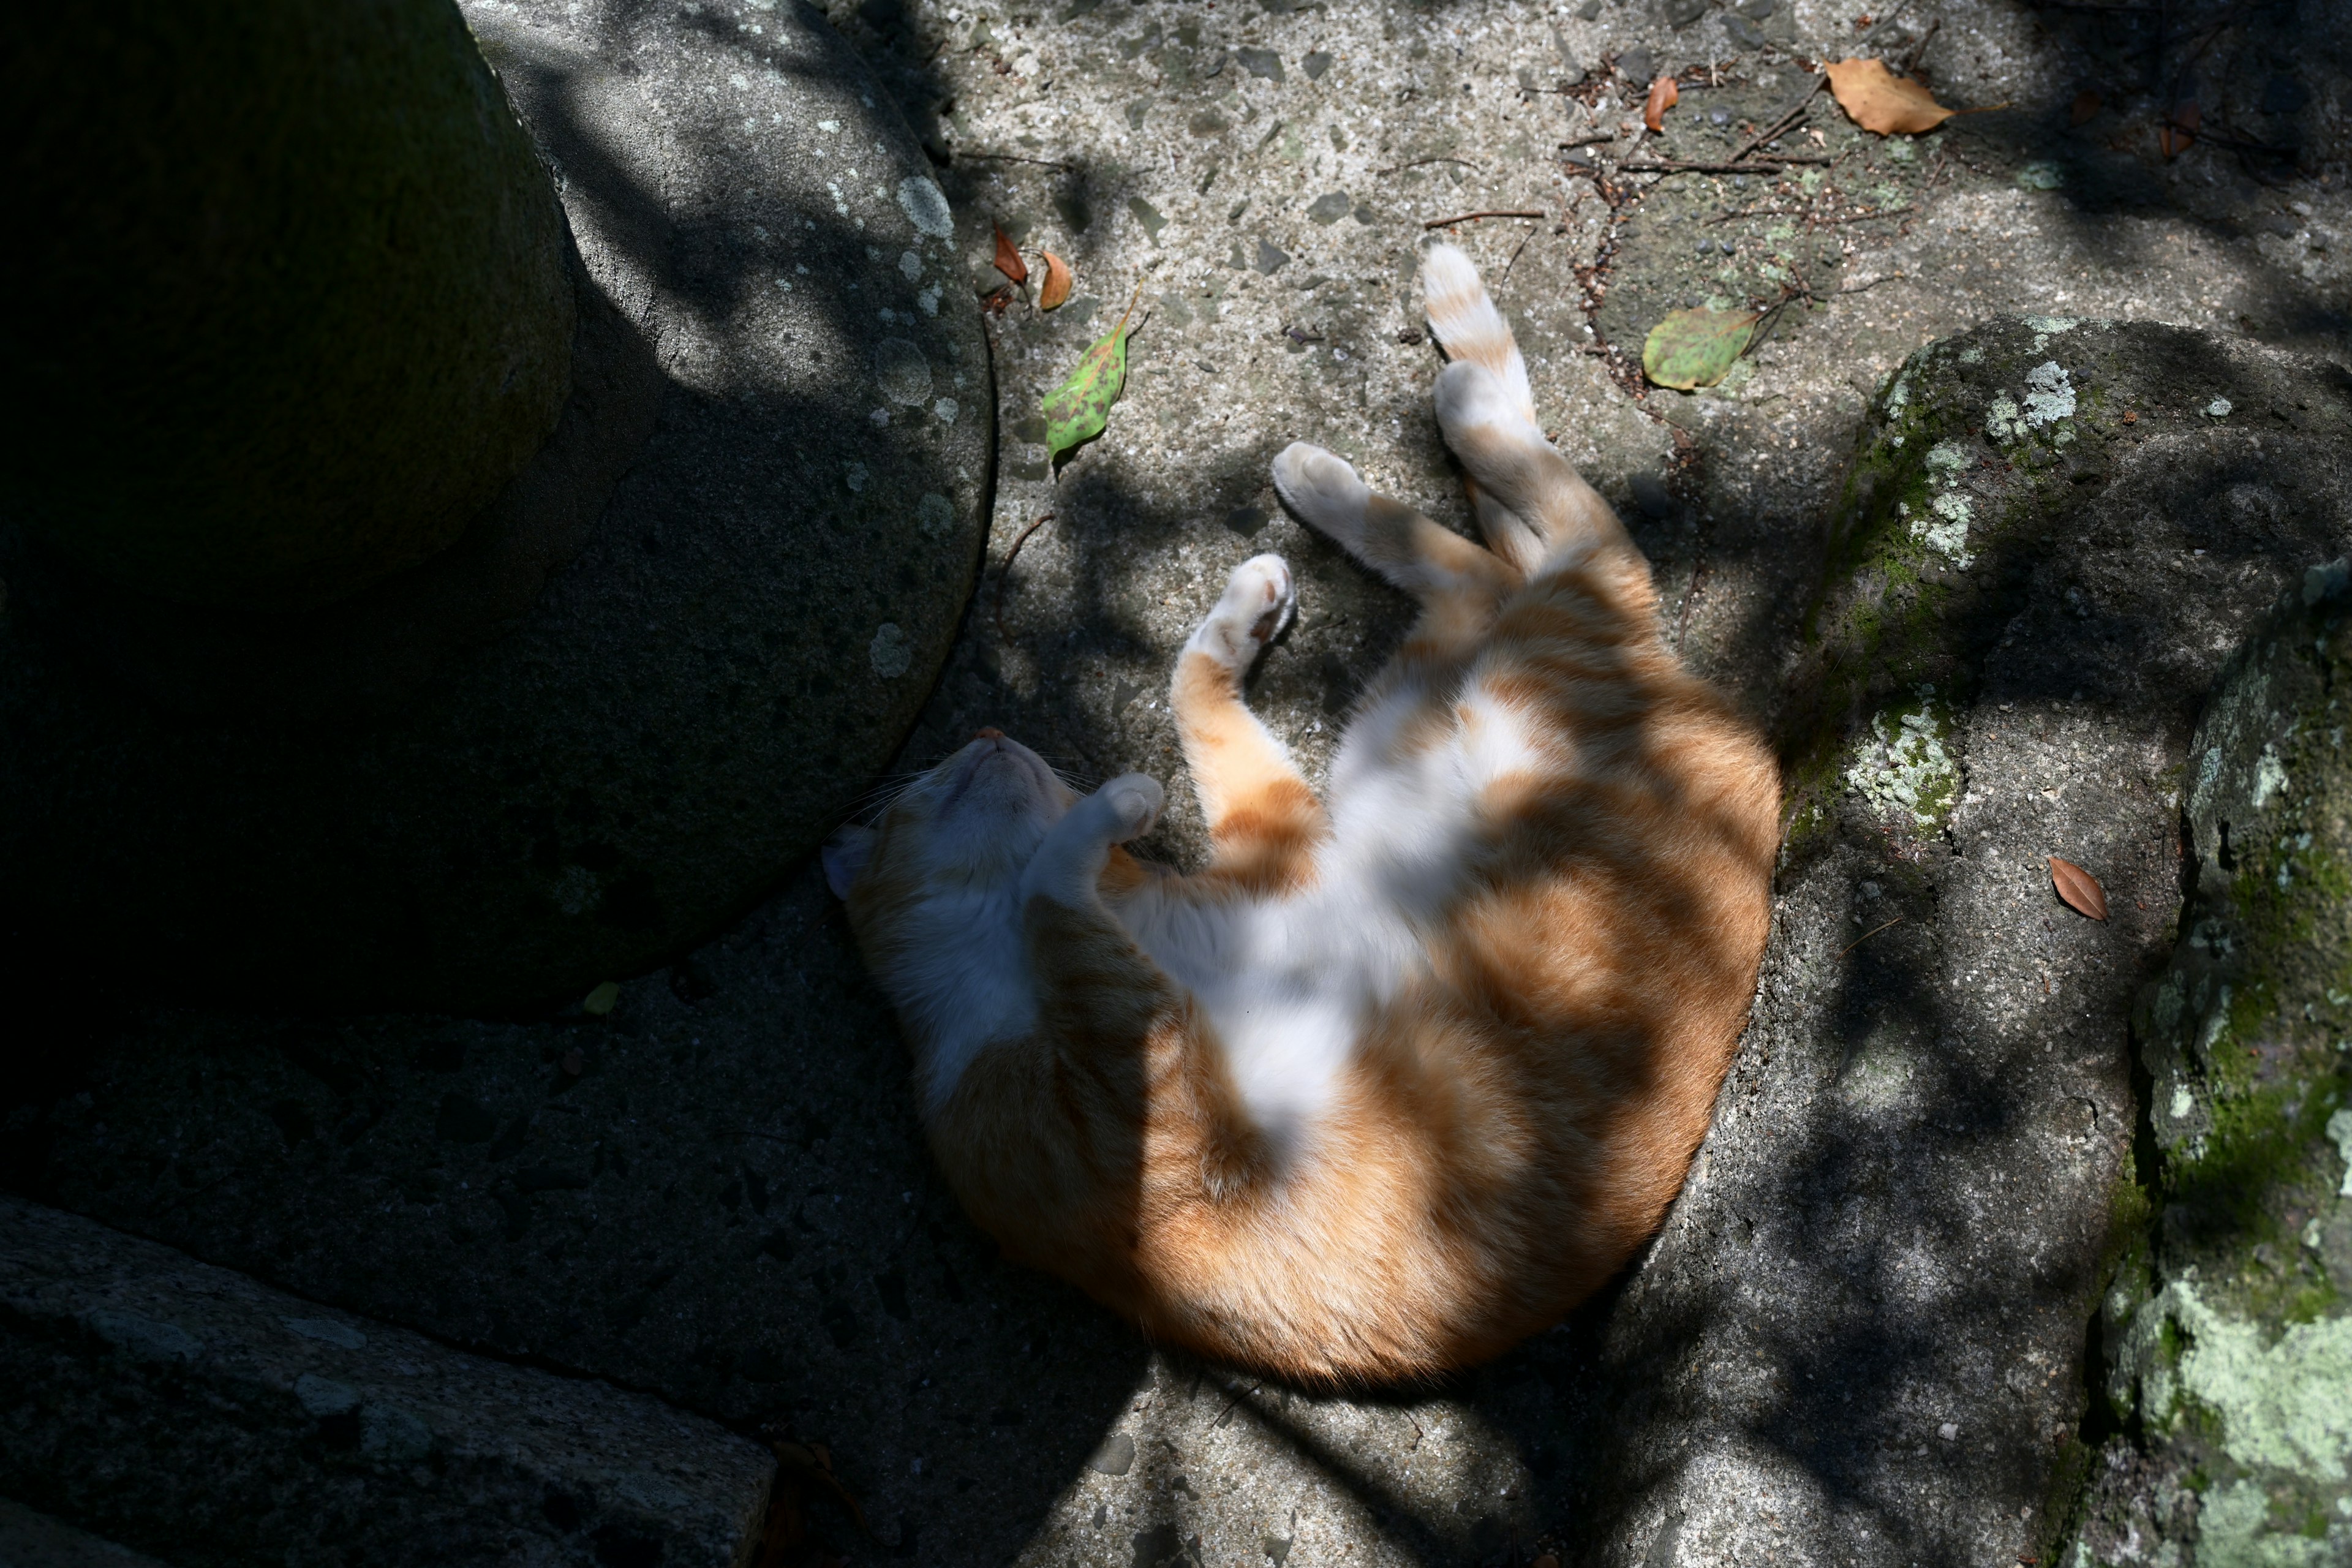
<point>846,855</point>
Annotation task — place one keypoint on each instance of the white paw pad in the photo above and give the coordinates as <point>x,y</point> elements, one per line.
<point>1320,487</point>
<point>1260,596</point>
<point>1135,800</point>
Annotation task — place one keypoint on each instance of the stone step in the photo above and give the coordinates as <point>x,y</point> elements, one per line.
<point>30,1538</point>
<point>191,1412</point>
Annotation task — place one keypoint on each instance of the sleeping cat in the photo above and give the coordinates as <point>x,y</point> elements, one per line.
<point>1388,1086</point>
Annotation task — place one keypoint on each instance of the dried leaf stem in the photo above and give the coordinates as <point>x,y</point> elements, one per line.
<point>1680,166</point>
<point>1013,158</point>
<point>1873,932</point>
<point>1417,162</point>
<point>1536,213</point>
<point>1004,572</point>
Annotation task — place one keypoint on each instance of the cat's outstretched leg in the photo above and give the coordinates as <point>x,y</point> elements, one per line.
<point>1263,819</point>
<point>1532,502</point>
<point>1459,584</point>
<point>1387,536</point>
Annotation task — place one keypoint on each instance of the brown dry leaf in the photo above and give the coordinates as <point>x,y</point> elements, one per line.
<point>1663,95</point>
<point>2175,136</point>
<point>1056,286</point>
<point>2087,106</point>
<point>1008,259</point>
<point>1877,100</point>
<point>2079,888</point>
<point>802,1469</point>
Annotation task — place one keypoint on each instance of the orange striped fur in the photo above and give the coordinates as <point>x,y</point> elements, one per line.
<point>1385,1086</point>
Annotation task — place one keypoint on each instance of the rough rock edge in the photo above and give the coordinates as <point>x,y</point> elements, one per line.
<point>197,1412</point>
<point>2227,1347</point>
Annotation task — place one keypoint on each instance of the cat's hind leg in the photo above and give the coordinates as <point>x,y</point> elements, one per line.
<point>1263,822</point>
<point>1460,585</point>
<point>1532,502</point>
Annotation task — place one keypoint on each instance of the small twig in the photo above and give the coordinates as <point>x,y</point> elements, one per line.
<point>1417,162</point>
<point>1865,287</point>
<point>1677,166</point>
<point>1013,158</point>
<point>1796,111</point>
<point>1690,597</point>
<point>1809,217</point>
<point>1536,213</point>
<point>1004,572</point>
<point>1514,261</point>
<point>1873,932</point>
<point>2231,144</point>
<point>1911,60</point>
<point>1786,121</point>
<point>1589,139</point>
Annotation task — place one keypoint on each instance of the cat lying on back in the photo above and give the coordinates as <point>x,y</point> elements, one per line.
<point>1389,1085</point>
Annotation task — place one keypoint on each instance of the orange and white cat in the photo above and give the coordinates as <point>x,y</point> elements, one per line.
<point>1389,1085</point>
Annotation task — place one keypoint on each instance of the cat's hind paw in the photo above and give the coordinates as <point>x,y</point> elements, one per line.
<point>1259,600</point>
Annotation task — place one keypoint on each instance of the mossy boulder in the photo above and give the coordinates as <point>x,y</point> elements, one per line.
<point>2229,1330</point>
<point>294,301</point>
<point>2036,452</point>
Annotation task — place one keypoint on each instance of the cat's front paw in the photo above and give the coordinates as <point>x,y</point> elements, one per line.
<point>1134,801</point>
<point>1259,600</point>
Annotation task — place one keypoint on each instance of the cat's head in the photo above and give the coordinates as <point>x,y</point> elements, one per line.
<point>969,826</point>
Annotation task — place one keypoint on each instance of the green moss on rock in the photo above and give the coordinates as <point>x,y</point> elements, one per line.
<point>1946,493</point>
<point>2230,1347</point>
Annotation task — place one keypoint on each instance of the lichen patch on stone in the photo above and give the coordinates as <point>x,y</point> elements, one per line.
<point>2049,396</point>
<point>926,206</point>
<point>889,653</point>
<point>1900,764</point>
<point>1949,538</point>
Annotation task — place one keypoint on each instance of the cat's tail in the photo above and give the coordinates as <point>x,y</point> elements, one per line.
<point>1468,327</point>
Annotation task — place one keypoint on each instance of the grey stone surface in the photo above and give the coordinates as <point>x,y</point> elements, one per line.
<point>1861,1337</point>
<point>882,1324</point>
<point>2228,1349</point>
<point>693,700</point>
<point>212,1420</point>
<point>30,1539</point>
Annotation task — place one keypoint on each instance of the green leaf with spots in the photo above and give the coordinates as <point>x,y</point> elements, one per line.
<point>1695,348</point>
<point>1076,411</point>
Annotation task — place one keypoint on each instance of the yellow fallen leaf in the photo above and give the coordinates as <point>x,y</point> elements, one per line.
<point>1877,100</point>
<point>1056,286</point>
<point>601,1001</point>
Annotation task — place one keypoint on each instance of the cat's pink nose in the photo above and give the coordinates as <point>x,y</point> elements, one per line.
<point>988,732</point>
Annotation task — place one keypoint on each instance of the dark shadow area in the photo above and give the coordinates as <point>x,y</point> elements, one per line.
<point>714,1204</point>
